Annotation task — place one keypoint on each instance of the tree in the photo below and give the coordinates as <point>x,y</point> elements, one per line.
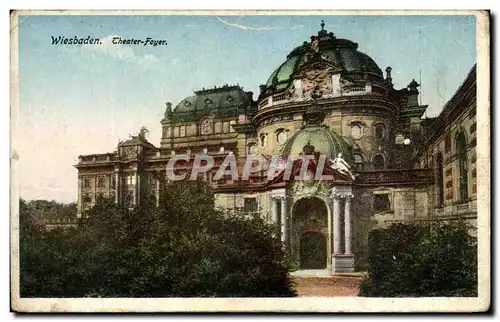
<point>411,260</point>
<point>184,248</point>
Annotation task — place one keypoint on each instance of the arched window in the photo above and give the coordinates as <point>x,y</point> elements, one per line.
<point>356,131</point>
<point>378,161</point>
<point>358,160</point>
<point>439,179</point>
<point>460,145</point>
<point>263,140</point>
<point>379,132</point>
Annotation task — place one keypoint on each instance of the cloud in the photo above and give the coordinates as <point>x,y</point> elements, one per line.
<point>123,53</point>
<point>235,25</point>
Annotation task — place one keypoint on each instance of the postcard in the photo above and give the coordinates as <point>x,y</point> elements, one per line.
<point>250,161</point>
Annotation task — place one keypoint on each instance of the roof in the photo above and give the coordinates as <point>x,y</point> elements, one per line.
<point>225,101</point>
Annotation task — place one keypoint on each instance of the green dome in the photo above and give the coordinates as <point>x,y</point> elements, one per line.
<point>225,101</point>
<point>341,52</point>
<point>324,141</point>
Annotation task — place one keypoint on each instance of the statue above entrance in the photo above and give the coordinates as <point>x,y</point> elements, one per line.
<point>341,166</point>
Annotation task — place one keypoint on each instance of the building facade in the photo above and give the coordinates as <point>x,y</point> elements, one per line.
<point>450,150</point>
<point>326,98</point>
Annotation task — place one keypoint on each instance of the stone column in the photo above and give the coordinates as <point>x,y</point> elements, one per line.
<point>329,238</point>
<point>157,194</point>
<point>138,185</point>
<point>284,222</point>
<point>336,225</point>
<point>80,197</point>
<point>274,202</point>
<point>135,188</point>
<point>117,186</point>
<point>347,223</point>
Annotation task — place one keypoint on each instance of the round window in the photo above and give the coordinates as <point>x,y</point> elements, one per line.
<point>252,149</point>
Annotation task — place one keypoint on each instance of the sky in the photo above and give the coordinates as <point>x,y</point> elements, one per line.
<point>81,99</point>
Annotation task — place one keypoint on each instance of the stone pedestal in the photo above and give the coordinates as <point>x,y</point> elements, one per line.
<point>342,263</point>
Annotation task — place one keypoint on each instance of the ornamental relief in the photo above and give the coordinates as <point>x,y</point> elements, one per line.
<point>276,119</point>
<point>317,83</point>
<point>302,189</point>
<point>206,126</point>
<point>316,78</point>
<point>130,151</point>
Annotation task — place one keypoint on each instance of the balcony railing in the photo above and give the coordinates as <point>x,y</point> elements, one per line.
<point>97,158</point>
<point>395,176</point>
<point>364,178</point>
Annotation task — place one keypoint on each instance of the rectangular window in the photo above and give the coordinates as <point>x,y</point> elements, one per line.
<point>152,180</point>
<point>472,128</point>
<point>250,206</point>
<point>100,197</point>
<point>86,183</point>
<point>231,129</point>
<point>225,127</point>
<point>100,182</point>
<point>381,202</point>
<point>447,143</point>
<point>86,201</point>
<point>131,180</point>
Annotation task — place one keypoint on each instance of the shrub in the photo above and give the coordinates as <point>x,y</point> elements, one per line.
<point>184,248</point>
<point>411,260</point>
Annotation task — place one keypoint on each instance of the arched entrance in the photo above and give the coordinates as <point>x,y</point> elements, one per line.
<point>309,236</point>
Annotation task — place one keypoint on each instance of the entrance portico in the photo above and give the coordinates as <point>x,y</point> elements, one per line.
<point>316,230</point>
